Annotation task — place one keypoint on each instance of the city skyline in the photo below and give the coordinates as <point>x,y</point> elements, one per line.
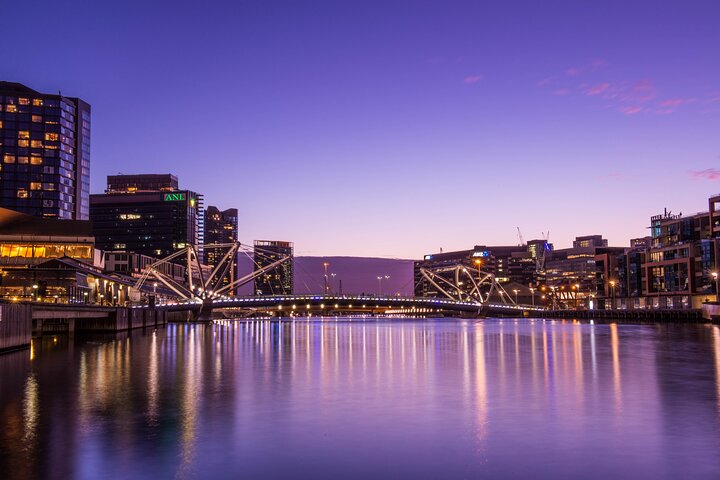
<point>476,118</point>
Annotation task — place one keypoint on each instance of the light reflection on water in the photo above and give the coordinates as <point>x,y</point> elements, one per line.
<point>422,399</point>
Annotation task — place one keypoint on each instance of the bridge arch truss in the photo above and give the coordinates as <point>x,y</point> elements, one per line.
<point>198,286</point>
<point>466,284</point>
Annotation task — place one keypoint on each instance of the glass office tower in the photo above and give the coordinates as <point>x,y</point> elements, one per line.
<point>44,153</point>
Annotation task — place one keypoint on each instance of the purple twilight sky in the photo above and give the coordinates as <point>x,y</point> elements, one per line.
<point>393,128</point>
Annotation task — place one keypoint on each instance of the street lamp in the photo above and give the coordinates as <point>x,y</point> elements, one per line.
<point>577,295</point>
<point>532,292</point>
<point>516,292</point>
<point>717,286</point>
<point>325,266</point>
<point>333,275</point>
<point>478,263</point>
<point>612,288</point>
<point>380,279</point>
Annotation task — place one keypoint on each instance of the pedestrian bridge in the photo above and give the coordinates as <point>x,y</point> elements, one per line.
<point>319,305</point>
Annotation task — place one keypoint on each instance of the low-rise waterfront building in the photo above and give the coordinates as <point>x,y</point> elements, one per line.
<point>518,264</point>
<point>26,240</point>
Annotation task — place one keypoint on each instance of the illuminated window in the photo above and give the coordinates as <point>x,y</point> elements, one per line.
<point>23,143</point>
<point>23,134</point>
<point>24,101</point>
<point>37,102</point>
<point>7,158</point>
<point>53,251</point>
<point>0,123</point>
<point>22,193</point>
<point>39,144</point>
<point>36,160</point>
<point>22,159</point>
<point>35,185</point>
<point>11,108</point>
<point>37,118</point>
<point>78,251</point>
<point>51,136</point>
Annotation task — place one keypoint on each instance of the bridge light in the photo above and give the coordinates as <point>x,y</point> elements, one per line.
<point>322,305</point>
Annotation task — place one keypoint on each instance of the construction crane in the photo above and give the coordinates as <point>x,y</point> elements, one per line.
<point>520,237</point>
<point>540,259</point>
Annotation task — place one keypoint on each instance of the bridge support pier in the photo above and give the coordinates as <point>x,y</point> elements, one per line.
<point>204,315</point>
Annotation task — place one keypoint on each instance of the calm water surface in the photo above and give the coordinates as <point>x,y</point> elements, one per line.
<point>366,399</point>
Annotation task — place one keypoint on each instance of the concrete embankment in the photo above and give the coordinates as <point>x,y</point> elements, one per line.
<point>58,319</point>
<point>15,326</point>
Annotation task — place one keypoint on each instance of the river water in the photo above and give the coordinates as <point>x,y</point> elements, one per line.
<point>345,398</point>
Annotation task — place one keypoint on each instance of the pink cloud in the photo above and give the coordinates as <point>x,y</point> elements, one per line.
<point>598,63</point>
<point>714,98</point>
<point>642,91</point>
<point>672,102</point>
<point>593,65</point>
<point>544,81</point>
<point>597,89</point>
<point>561,92</point>
<point>472,79</point>
<point>707,174</point>
<point>631,110</point>
<point>663,111</point>
<point>572,72</point>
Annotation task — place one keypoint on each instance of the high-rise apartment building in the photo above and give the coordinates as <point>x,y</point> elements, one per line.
<point>220,227</point>
<point>146,214</point>
<point>44,153</point>
<point>278,280</point>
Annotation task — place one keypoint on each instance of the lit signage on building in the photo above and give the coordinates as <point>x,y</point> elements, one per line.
<point>428,257</point>
<point>173,197</point>
<point>484,253</point>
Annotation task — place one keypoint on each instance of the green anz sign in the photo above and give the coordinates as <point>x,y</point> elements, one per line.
<point>173,197</point>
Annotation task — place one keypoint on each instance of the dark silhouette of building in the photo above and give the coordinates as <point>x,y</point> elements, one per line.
<point>147,215</point>
<point>221,227</point>
<point>45,144</point>
<point>146,182</point>
<point>279,280</point>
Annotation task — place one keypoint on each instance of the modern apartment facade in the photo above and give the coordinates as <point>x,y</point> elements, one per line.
<point>221,227</point>
<point>44,153</point>
<point>278,280</point>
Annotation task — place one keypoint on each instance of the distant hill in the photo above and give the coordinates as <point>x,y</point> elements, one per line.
<point>358,274</point>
